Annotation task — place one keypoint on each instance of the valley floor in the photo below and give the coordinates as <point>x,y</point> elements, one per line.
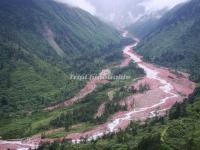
<point>164,89</point>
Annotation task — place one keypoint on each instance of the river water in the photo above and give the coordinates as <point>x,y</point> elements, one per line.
<point>165,86</point>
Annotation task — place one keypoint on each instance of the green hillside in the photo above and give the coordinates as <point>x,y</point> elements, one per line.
<point>146,24</point>
<point>142,28</point>
<point>176,42</point>
<point>41,43</point>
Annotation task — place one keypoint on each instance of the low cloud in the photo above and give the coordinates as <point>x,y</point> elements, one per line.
<point>83,4</point>
<point>155,5</point>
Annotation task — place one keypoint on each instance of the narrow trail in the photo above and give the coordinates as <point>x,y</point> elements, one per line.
<point>166,88</point>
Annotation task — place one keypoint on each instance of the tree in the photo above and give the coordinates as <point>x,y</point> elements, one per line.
<point>178,110</point>
<point>4,101</point>
<point>43,135</point>
<point>151,142</point>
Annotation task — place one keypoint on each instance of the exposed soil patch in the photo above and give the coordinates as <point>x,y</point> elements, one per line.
<point>110,95</point>
<point>50,38</point>
<point>100,111</point>
<point>125,62</point>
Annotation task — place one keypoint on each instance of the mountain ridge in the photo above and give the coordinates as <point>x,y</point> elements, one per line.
<point>40,42</point>
<point>174,42</point>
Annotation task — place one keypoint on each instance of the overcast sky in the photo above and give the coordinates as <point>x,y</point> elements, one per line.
<point>83,4</point>
<point>154,5</point>
<point>122,12</point>
<point>150,5</point>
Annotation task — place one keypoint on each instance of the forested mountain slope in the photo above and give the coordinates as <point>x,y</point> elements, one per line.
<point>142,28</point>
<point>41,43</point>
<point>175,42</point>
<point>146,24</point>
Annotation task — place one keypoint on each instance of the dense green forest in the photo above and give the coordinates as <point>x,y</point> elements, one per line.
<point>179,130</point>
<point>175,41</point>
<point>41,43</point>
<point>39,122</point>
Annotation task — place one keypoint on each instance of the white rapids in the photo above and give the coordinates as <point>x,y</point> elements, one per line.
<point>24,146</point>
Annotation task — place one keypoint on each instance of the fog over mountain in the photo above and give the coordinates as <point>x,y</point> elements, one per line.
<point>122,13</point>
<point>83,4</point>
